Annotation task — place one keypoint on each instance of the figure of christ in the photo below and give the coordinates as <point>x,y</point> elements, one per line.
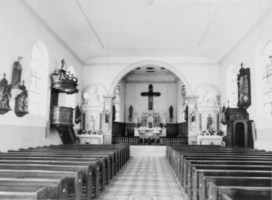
<point>150,95</point>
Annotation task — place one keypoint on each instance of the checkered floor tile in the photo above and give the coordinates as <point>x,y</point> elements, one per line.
<point>144,177</point>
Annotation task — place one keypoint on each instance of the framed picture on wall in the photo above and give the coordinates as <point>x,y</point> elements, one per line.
<point>244,90</point>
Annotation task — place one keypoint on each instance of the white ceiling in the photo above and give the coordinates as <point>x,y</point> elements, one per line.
<point>150,28</point>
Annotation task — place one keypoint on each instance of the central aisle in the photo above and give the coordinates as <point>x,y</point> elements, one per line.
<point>146,176</point>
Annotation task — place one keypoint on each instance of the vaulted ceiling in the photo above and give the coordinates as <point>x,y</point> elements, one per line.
<point>150,28</point>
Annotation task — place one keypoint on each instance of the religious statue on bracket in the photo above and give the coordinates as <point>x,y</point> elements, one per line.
<point>150,95</point>
<point>16,73</point>
<point>21,102</point>
<point>243,81</point>
<point>5,95</point>
<point>171,117</point>
<point>78,114</point>
<point>130,113</point>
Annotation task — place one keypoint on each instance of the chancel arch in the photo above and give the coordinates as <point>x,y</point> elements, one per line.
<point>151,98</point>
<point>147,62</point>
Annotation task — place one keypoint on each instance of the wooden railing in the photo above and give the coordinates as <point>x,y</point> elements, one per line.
<point>126,140</point>
<point>163,140</point>
<point>177,140</point>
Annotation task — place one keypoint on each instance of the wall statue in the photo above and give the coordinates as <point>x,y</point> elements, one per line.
<point>16,73</point>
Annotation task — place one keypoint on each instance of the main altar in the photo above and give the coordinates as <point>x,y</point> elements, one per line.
<point>150,127</point>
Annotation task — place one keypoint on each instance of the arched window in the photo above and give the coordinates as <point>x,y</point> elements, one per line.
<point>267,79</point>
<point>183,102</point>
<point>117,103</point>
<point>38,79</point>
<point>232,91</point>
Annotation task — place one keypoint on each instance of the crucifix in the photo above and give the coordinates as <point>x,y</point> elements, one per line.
<point>150,95</point>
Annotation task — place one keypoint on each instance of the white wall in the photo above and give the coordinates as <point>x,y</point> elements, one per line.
<point>161,104</point>
<point>194,73</point>
<point>19,31</point>
<point>245,51</point>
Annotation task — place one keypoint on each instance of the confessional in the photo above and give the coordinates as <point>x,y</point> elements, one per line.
<point>239,128</point>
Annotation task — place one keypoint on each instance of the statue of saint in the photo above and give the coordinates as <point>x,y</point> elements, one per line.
<point>130,111</point>
<point>209,122</point>
<point>171,112</point>
<point>78,114</point>
<point>16,73</point>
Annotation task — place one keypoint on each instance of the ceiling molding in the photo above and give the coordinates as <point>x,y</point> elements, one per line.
<point>46,27</point>
<point>129,60</point>
<point>89,23</point>
<point>255,26</point>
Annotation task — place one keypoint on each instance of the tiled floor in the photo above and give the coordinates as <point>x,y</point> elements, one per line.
<point>146,176</point>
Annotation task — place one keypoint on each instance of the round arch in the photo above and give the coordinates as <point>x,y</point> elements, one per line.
<point>148,62</point>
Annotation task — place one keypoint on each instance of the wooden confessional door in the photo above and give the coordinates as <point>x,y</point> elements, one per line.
<point>240,134</point>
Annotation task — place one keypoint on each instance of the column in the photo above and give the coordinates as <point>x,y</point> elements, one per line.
<point>193,119</point>
<point>107,119</point>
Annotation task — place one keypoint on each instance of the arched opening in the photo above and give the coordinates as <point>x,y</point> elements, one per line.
<point>149,96</point>
<point>158,63</point>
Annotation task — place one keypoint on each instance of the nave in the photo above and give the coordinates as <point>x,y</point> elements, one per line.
<point>146,176</point>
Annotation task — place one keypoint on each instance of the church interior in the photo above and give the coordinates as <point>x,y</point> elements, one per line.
<point>136,100</point>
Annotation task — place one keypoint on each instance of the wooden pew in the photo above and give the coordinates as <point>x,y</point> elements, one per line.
<point>218,185</point>
<point>178,164</point>
<point>207,156</point>
<point>75,155</point>
<point>23,193</point>
<point>106,157</point>
<point>191,181</point>
<point>57,188</point>
<point>84,169</point>
<point>121,151</point>
<point>97,183</point>
<point>182,159</point>
<point>98,164</point>
<point>203,176</point>
<point>194,178</point>
<point>245,194</point>
<point>118,157</point>
<point>74,179</point>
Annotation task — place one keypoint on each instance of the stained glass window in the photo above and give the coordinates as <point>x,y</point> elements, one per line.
<point>117,103</point>
<point>39,76</point>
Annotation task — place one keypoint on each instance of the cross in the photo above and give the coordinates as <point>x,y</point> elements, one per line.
<point>150,95</point>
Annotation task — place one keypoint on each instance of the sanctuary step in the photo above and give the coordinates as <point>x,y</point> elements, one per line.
<point>144,150</point>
